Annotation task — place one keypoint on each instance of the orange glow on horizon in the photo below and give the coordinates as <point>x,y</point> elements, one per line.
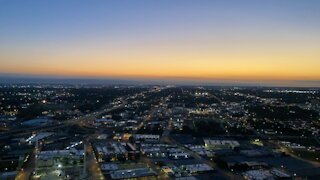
<point>268,60</point>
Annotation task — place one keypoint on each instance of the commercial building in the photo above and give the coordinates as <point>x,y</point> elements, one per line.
<point>220,144</point>
<point>115,151</point>
<point>139,173</point>
<point>51,158</point>
<point>257,175</point>
<point>197,168</point>
<point>146,137</point>
<point>177,153</point>
<point>109,167</point>
<point>110,151</point>
<point>37,137</point>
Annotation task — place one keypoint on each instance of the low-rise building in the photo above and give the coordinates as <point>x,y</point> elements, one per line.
<point>220,144</point>
<point>133,173</point>
<point>198,168</point>
<point>107,167</point>
<point>257,175</point>
<point>146,137</point>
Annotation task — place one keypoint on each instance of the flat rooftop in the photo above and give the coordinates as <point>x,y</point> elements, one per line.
<point>132,173</point>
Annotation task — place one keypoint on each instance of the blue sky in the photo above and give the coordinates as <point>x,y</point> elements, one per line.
<point>179,33</point>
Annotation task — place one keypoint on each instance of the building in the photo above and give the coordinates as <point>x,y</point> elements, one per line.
<point>110,151</point>
<point>105,122</point>
<point>51,158</point>
<point>257,175</point>
<point>8,175</point>
<point>280,174</point>
<point>154,150</point>
<point>107,167</point>
<point>37,137</point>
<point>139,173</point>
<point>146,137</point>
<point>167,170</point>
<point>176,153</point>
<point>37,122</point>
<point>197,168</point>
<point>220,144</point>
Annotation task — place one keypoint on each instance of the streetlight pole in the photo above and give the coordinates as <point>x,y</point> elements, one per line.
<point>84,173</point>
<point>36,158</point>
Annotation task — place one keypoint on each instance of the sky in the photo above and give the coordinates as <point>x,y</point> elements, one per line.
<point>229,40</point>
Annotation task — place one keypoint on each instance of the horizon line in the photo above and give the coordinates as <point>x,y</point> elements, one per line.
<point>52,79</point>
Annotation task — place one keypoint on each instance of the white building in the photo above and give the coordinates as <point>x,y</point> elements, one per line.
<point>219,144</point>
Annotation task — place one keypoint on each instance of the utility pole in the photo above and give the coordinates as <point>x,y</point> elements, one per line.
<point>36,158</point>
<point>84,173</point>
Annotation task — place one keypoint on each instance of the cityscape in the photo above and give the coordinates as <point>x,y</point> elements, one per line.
<point>159,132</point>
<point>168,90</point>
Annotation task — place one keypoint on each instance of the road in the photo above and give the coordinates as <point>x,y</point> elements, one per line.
<point>25,173</point>
<point>289,152</point>
<point>94,171</point>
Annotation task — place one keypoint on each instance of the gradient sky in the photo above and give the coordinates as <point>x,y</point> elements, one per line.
<point>196,39</point>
